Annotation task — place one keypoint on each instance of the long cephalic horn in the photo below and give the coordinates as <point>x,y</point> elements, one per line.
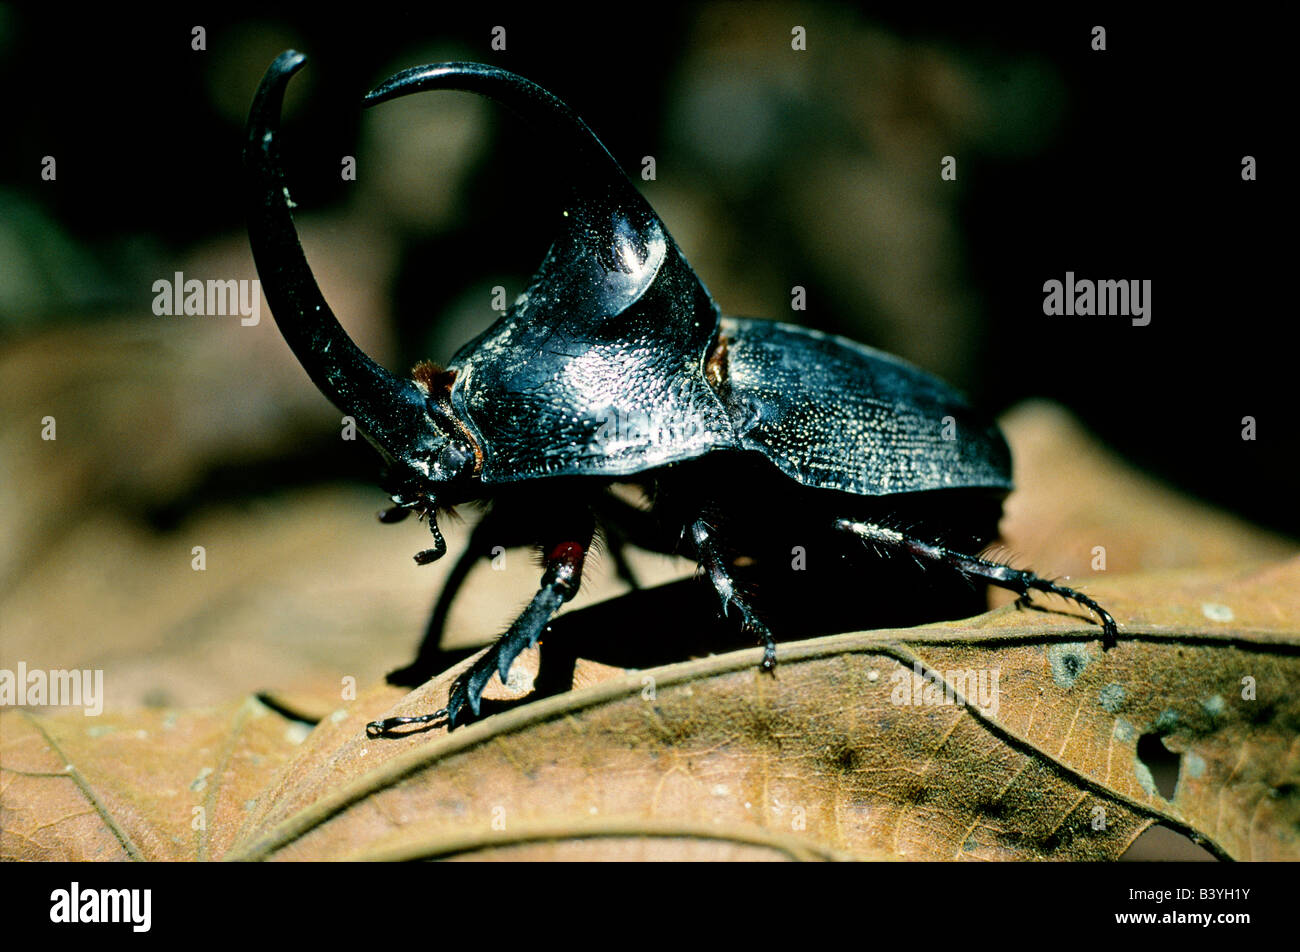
<point>390,411</point>
<point>543,110</point>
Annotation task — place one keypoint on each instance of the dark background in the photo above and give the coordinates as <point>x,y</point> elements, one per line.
<point>1117,164</point>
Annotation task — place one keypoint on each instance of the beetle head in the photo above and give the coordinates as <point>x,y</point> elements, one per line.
<point>612,275</point>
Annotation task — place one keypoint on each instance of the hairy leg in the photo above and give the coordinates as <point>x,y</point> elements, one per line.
<point>708,554</point>
<point>1004,576</point>
<point>564,551</point>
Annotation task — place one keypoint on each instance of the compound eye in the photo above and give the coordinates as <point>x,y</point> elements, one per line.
<point>452,460</point>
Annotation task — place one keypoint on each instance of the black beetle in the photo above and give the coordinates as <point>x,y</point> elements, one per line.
<point>616,366</point>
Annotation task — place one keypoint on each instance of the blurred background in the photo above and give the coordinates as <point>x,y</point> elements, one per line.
<point>774,168</point>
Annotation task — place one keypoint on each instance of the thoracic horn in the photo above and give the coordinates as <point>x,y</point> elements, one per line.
<point>611,252</point>
<point>546,113</point>
<point>389,410</point>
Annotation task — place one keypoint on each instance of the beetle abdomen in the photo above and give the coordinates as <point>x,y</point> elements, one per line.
<point>833,414</point>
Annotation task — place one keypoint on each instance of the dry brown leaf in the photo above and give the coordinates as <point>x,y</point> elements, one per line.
<point>156,785</point>
<point>710,759</point>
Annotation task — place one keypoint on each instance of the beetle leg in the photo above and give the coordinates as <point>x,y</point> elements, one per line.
<point>711,560</point>
<point>1004,576</point>
<point>560,582</point>
<point>494,529</point>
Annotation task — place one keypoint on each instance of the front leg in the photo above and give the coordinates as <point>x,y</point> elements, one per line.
<point>496,528</point>
<point>564,551</point>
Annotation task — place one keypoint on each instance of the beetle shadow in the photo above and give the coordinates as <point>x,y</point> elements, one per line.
<point>680,620</point>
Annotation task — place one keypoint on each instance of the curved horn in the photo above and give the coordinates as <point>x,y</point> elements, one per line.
<point>545,111</point>
<point>612,252</point>
<point>390,411</point>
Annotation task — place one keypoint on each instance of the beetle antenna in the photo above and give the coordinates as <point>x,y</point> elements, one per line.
<point>439,544</point>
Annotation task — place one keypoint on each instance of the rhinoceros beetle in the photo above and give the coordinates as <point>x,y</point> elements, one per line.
<point>615,366</point>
